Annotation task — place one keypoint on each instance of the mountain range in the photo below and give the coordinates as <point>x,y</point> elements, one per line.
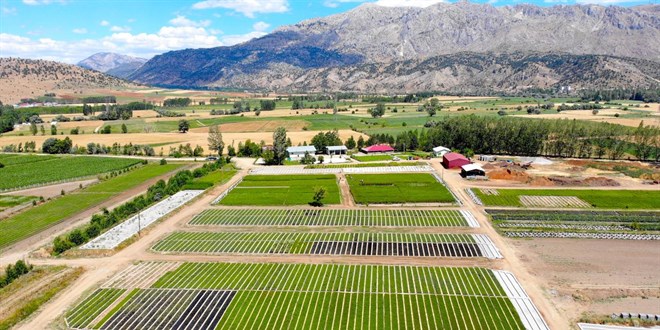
<point>114,64</point>
<point>447,46</point>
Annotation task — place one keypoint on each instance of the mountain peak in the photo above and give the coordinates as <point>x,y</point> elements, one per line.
<point>114,64</point>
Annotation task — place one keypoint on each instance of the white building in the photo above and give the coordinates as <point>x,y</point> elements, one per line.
<point>299,152</point>
<point>440,151</point>
<point>336,150</point>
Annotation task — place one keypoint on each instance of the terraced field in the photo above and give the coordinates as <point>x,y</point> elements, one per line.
<point>578,224</point>
<point>397,188</point>
<point>30,170</point>
<point>298,296</point>
<point>262,190</point>
<point>325,217</point>
<point>360,244</point>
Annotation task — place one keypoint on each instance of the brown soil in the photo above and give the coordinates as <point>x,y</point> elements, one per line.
<point>508,174</point>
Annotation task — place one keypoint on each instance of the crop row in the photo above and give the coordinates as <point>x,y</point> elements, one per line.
<point>585,216</point>
<point>326,217</point>
<point>453,245</point>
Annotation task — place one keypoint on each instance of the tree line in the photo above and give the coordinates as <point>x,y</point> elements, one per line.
<point>12,272</point>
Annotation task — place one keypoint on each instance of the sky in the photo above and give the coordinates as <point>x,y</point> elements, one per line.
<point>71,30</point>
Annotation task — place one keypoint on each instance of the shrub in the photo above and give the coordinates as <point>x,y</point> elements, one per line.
<point>163,161</point>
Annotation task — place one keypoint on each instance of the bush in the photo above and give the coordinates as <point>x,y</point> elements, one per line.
<point>163,161</point>
<point>319,195</point>
<point>13,272</point>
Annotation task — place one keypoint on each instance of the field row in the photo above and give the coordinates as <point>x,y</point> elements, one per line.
<point>282,190</point>
<point>569,198</point>
<point>337,170</point>
<point>395,189</point>
<point>125,230</point>
<point>363,244</point>
<point>326,217</point>
<point>299,296</point>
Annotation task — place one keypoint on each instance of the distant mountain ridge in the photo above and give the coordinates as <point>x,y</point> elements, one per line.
<point>114,64</point>
<point>326,50</point>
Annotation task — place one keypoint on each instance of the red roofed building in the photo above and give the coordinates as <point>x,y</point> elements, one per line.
<point>454,160</point>
<point>378,148</point>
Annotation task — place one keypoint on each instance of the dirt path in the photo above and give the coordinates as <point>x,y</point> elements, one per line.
<point>54,190</point>
<point>345,190</point>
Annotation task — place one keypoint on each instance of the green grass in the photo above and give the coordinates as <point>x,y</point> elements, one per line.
<point>372,158</point>
<point>329,217</point>
<point>350,165</point>
<point>90,308</point>
<point>601,199</point>
<point>263,190</point>
<point>301,243</point>
<point>43,216</point>
<point>37,170</point>
<point>7,201</point>
<point>397,188</point>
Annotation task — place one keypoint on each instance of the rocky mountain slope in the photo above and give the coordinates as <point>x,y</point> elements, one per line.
<point>114,64</point>
<point>24,78</point>
<point>376,39</point>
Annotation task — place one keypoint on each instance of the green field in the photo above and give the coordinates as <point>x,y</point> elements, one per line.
<point>372,158</point>
<point>601,199</point>
<point>397,188</point>
<point>27,170</point>
<point>352,165</point>
<point>379,244</point>
<point>305,296</point>
<point>263,190</point>
<point>8,201</point>
<point>38,218</point>
<point>327,217</point>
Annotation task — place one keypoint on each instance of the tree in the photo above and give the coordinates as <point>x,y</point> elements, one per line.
<point>279,145</point>
<point>307,159</point>
<point>184,126</point>
<point>431,107</point>
<point>360,142</point>
<point>124,129</point>
<point>43,130</point>
<point>350,143</point>
<point>53,130</point>
<point>319,195</point>
<point>215,140</point>
<point>33,129</point>
<point>378,111</point>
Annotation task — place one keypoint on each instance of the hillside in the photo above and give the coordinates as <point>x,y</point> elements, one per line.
<point>369,35</point>
<point>24,78</point>
<point>117,65</point>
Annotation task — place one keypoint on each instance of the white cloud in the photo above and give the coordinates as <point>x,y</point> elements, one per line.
<point>407,3</point>
<point>336,3</point>
<point>120,28</point>
<point>246,7</point>
<point>183,21</point>
<point>104,23</point>
<point>260,26</point>
<point>42,2</point>
<point>603,2</point>
<point>79,31</point>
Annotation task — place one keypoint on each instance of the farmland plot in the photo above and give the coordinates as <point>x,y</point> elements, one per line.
<point>577,198</point>
<point>304,296</point>
<point>325,217</point>
<point>393,188</point>
<point>337,170</point>
<point>282,190</point>
<point>360,244</point>
<point>123,231</point>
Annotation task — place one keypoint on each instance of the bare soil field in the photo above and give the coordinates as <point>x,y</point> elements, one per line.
<point>594,276</point>
<point>606,115</point>
<point>257,126</point>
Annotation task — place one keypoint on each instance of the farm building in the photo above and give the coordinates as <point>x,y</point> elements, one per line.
<point>487,158</point>
<point>472,170</point>
<point>378,148</point>
<point>440,151</point>
<point>336,150</point>
<point>299,152</point>
<point>454,160</point>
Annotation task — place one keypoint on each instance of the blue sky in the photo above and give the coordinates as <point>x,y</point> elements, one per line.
<point>70,30</point>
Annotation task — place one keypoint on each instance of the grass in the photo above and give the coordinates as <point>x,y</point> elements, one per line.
<point>350,165</point>
<point>90,308</point>
<point>326,217</point>
<point>38,218</point>
<point>261,190</point>
<point>30,304</point>
<point>7,201</point>
<point>309,296</point>
<point>302,243</point>
<point>35,170</point>
<point>600,199</point>
<point>372,158</point>
<point>397,188</point>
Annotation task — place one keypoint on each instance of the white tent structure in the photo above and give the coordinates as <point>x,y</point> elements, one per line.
<point>440,151</point>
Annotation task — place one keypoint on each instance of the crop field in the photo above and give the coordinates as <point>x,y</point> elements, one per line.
<point>304,296</point>
<point>601,199</point>
<point>404,168</point>
<point>325,217</point>
<point>372,158</point>
<point>45,215</point>
<point>8,201</point>
<point>586,224</point>
<point>282,190</point>
<point>360,244</point>
<point>394,188</point>
<point>33,170</point>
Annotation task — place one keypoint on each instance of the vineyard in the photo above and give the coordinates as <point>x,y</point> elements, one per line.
<point>325,217</point>
<point>30,170</point>
<point>566,198</point>
<point>578,224</point>
<point>300,296</point>
<point>395,188</point>
<point>282,190</point>
<point>360,244</point>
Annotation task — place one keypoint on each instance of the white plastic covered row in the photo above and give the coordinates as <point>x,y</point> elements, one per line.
<point>113,237</point>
